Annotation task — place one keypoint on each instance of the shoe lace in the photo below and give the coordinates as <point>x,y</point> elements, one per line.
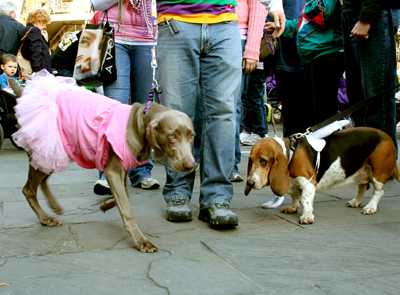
<point>179,202</point>
<point>221,205</point>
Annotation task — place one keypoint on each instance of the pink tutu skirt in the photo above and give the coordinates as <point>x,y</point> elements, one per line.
<point>37,111</point>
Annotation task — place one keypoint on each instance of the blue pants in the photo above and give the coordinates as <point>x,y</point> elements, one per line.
<point>135,77</point>
<point>208,55</point>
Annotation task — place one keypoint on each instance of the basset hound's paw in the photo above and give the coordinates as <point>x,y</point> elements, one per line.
<point>369,210</point>
<point>290,209</point>
<point>354,203</point>
<point>307,219</point>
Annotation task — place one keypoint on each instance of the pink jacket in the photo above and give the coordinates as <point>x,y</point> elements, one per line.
<point>251,15</point>
<point>90,125</point>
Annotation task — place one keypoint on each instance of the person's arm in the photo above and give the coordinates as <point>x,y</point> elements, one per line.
<point>255,27</point>
<point>275,8</point>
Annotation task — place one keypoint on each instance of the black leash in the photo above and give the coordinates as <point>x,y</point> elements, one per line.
<point>350,110</point>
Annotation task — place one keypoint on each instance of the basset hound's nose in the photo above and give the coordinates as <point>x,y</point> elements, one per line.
<point>250,183</point>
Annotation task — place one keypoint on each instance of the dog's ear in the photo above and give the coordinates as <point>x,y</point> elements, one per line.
<point>135,133</point>
<point>279,178</point>
<point>151,134</point>
<point>248,188</point>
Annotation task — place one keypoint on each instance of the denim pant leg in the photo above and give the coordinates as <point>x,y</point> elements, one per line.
<point>238,153</point>
<point>370,69</point>
<point>255,101</point>
<point>185,59</point>
<point>179,70</point>
<point>135,78</point>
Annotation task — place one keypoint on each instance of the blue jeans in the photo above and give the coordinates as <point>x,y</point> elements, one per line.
<point>370,69</point>
<point>135,77</point>
<point>250,110</point>
<point>208,55</point>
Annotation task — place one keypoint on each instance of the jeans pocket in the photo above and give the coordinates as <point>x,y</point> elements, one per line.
<point>232,22</point>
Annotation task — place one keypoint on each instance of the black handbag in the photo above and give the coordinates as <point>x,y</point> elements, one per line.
<point>95,60</point>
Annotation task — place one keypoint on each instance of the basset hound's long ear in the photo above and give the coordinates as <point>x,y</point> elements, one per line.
<point>248,188</point>
<point>279,178</point>
<point>135,133</point>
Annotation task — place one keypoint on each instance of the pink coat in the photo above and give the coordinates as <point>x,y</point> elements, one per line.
<point>89,125</point>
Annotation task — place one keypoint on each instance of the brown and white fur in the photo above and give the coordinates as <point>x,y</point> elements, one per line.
<point>170,134</point>
<point>357,155</point>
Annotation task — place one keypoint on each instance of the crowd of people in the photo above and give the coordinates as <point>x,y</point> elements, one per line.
<point>209,68</point>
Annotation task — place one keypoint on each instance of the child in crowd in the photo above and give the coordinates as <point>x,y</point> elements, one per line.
<point>9,65</point>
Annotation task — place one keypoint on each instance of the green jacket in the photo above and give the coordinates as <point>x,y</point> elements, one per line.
<point>318,29</point>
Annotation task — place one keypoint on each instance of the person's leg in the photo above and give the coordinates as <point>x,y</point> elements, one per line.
<point>198,127</point>
<point>178,59</point>
<point>220,82</point>
<point>118,90</point>
<point>236,176</point>
<point>325,75</point>
<point>255,100</point>
<point>374,61</point>
<point>291,93</point>
<point>141,79</point>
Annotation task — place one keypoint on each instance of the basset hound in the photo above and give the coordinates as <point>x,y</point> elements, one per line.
<point>357,155</point>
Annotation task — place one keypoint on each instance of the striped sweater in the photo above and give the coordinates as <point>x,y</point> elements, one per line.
<point>197,11</point>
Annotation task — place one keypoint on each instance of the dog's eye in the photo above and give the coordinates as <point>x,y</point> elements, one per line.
<point>192,136</point>
<point>263,162</point>
<point>172,136</point>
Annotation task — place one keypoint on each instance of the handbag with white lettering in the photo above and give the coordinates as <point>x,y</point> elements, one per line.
<point>95,60</point>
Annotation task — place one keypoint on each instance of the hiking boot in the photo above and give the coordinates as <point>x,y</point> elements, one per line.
<point>178,210</point>
<point>101,187</point>
<point>148,183</point>
<point>236,177</point>
<point>219,215</point>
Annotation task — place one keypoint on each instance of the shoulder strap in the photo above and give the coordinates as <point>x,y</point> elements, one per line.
<point>23,38</point>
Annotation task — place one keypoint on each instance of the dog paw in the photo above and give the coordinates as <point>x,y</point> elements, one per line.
<point>307,219</point>
<point>353,203</point>
<point>147,247</point>
<point>368,210</point>
<point>289,209</point>
<point>50,221</point>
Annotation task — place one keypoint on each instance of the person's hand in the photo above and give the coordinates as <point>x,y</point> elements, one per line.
<point>360,31</point>
<point>45,35</point>
<point>249,65</point>
<point>279,20</point>
<point>269,27</point>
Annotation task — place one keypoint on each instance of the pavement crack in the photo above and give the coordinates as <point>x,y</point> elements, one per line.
<point>233,267</point>
<point>75,238</point>
<point>150,267</point>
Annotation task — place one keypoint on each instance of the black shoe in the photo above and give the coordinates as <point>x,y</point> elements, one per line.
<point>102,188</point>
<point>219,215</point>
<point>178,210</point>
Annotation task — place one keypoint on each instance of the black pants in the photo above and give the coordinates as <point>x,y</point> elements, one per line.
<point>322,77</point>
<point>290,90</point>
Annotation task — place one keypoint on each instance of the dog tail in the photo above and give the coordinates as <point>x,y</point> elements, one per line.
<point>396,174</point>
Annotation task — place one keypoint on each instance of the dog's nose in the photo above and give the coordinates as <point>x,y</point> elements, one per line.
<point>250,183</point>
<point>188,165</point>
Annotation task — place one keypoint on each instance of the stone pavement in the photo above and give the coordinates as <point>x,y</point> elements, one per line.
<point>343,252</point>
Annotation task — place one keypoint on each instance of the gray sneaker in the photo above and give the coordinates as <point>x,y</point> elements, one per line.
<point>219,214</point>
<point>178,210</point>
<point>236,177</point>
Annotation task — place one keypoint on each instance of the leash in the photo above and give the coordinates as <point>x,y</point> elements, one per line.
<point>155,91</point>
<point>349,110</point>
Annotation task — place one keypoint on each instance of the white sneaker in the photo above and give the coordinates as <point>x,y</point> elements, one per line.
<point>101,187</point>
<point>149,183</point>
<point>244,135</point>
<point>252,139</point>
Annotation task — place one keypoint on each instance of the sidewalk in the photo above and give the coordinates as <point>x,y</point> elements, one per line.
<point>343,252</point>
